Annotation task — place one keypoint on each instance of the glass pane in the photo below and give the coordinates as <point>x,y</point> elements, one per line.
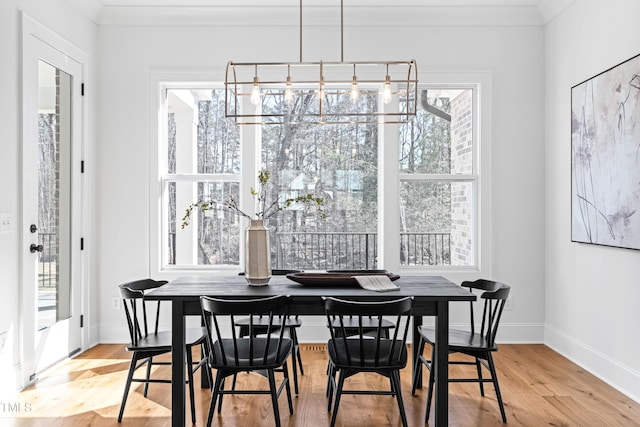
<point>337,163</point>
<point>54,200</point>
<point>200,138</point>
<point>305,106</point>
<point>439,140</point>
<point>437,223</point>
<point>212,238</point>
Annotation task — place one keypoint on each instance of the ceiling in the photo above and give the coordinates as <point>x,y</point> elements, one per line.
<point>284,12</point>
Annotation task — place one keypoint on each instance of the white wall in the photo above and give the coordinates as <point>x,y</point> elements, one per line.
<point>592,292</point>
<point>513,55</point>
<point>61,18</point>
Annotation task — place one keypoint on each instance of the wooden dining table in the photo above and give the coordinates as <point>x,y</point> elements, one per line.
<point>432,295</point>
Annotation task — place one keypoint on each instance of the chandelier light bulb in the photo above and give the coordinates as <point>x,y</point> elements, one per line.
<point>288,92</point>
<point>255,93</point>
<point>386,90</point>
<point>355,93</point>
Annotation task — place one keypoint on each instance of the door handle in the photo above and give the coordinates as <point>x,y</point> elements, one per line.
<point>35,248</point>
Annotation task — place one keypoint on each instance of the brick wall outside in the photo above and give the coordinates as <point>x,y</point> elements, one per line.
<point>461,192</point>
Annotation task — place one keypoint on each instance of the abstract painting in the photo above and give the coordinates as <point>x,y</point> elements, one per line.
<point>605,157</point>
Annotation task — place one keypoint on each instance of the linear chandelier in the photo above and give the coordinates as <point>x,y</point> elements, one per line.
<point>324,92</point>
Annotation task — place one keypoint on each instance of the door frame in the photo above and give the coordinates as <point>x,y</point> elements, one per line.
<point>35,37</point>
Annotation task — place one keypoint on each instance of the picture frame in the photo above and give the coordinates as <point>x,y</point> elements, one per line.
<point>605,157</point>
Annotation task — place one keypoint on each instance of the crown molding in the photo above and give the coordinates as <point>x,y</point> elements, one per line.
<point>92,9</point>
<point>316,12</point>
<point>320,15</point>
<point>549,9</point>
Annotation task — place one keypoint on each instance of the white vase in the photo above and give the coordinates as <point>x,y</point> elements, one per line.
<point>257,258</point>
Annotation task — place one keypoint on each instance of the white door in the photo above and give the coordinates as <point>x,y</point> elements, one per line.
<point>51,206</point>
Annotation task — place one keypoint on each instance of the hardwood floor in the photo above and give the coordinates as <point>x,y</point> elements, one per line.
<point>539,386</point>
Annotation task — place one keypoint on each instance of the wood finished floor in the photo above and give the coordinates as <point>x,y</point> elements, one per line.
<point>539,386</point>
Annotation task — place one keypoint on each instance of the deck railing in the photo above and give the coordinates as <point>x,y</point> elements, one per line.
<point>326,251</point>
<point>48,266</point>
<point>425,248</point>
<point>349,251</point>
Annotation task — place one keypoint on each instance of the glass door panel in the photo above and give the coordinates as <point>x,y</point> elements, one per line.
<point>54,200</point>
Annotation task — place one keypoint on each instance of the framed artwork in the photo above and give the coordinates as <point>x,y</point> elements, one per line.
<point>605,157</point>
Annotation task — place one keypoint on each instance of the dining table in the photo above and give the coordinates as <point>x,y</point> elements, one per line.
<point>432,295</point>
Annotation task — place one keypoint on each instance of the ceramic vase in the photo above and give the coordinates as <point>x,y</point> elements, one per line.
<point>257,258</point>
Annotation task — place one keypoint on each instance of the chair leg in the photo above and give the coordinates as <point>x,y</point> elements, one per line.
<point>479,368</point>
<point>189,359</point>
<point>127,387</point>
<point>395,380</point>
<point>330,373</point>
<point>274,396</point>
<point>432,380</point>
<point>214,398</point>
<point>417,365</point>
<point>207,380</point>
<point>336,405</point>
<point>288,387</point>
<point>220,396</point>
<point>233,382</point>
<point>494,375</point>
<point>331,383</point>
<point>297,346</point>
<point>292,333</point>
<point>146,385</point>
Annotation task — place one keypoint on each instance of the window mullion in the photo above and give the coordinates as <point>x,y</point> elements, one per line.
<point>437,177</point>
<point>201,177</point>
<point>388,187</point>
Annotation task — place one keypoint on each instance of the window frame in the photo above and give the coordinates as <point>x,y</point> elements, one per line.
<point>389,179</point>
<point>472,178</point>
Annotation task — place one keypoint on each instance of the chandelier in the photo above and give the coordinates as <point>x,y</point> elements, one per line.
<point>324,92</point>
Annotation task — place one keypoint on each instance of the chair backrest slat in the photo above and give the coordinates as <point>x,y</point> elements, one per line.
<point>341,312</point>
<point>135,308</point>
<point>494,295</point>
<point>273,308</point>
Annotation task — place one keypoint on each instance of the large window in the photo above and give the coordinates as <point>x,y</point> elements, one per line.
<point>202,163</point>
<point>438,180</point>
<point>204,156</point>
<point>337,162</point>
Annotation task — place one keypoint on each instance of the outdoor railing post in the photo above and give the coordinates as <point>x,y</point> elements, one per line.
<point>366,251</point>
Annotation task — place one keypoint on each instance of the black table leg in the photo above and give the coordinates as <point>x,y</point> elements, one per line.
<point>417,322</point>
<point>177,364</point>
<point>204,376</point>
<point>441,365</point>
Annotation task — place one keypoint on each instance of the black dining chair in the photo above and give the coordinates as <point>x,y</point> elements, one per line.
<point>369,324</point>
<point>262,354</point>
<point>351,354</point>
<point>353,325</point>
<point>479,344</point>
<point>291,324</point>
<point>147,341</point>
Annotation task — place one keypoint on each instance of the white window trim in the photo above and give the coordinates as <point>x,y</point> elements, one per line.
<point>480,83</point>
<point>159,82</point>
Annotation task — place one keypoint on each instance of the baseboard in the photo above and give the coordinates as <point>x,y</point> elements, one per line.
<point>112,334</point>
<point>618,375</point>
<point>118,333</point>
<point>521,333</point>
<point>314,330</point>
<point>94,337</point>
